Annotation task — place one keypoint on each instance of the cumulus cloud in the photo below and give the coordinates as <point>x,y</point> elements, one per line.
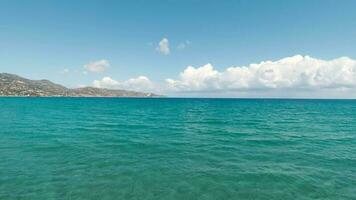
<point>296,76</point>
<point>141,83</point>
<point>163,46</point>
<point>97,66</point>
<point>291,73</point>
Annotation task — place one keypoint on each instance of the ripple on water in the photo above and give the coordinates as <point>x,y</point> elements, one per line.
<point>54,148</point>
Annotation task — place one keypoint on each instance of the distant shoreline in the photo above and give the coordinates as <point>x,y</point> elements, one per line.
<point>14,85</point>
<point>173,97</point>
<point>143,97</point>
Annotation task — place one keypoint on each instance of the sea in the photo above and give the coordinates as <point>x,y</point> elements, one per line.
<point>177,149</point>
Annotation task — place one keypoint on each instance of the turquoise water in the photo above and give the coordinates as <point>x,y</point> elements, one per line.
<point>106,148</point>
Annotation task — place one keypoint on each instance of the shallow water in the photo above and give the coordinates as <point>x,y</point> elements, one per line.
<point>107,148</point>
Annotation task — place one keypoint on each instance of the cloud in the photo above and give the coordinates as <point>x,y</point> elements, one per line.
<point>141,83</point>
<point>163,46</point>
<point>296,73</point>
<point>97,66</point>
<point>291,77</point>
<point>183,45</point>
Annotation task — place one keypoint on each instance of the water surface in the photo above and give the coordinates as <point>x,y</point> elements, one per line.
<point>109,148</point>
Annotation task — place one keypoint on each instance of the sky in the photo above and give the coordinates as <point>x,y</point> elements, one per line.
<point>198,48</point>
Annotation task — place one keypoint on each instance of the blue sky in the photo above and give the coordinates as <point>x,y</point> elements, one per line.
<point>41,38</point>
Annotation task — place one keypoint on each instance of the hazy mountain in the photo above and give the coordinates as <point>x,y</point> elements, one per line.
<point>13,85</point>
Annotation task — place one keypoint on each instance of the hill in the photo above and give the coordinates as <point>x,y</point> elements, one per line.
<point>14,85</point>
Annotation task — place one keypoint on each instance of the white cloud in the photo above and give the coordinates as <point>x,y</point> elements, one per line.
<point>183,45</point>
<point>106,82</point>
<point>141,83</point>
<point>97,66</point>
<point>296,76</point>
<point>297,73</point>
<point>163,46</point>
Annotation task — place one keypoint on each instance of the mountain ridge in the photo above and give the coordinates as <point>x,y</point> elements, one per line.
<point>15,85</point>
